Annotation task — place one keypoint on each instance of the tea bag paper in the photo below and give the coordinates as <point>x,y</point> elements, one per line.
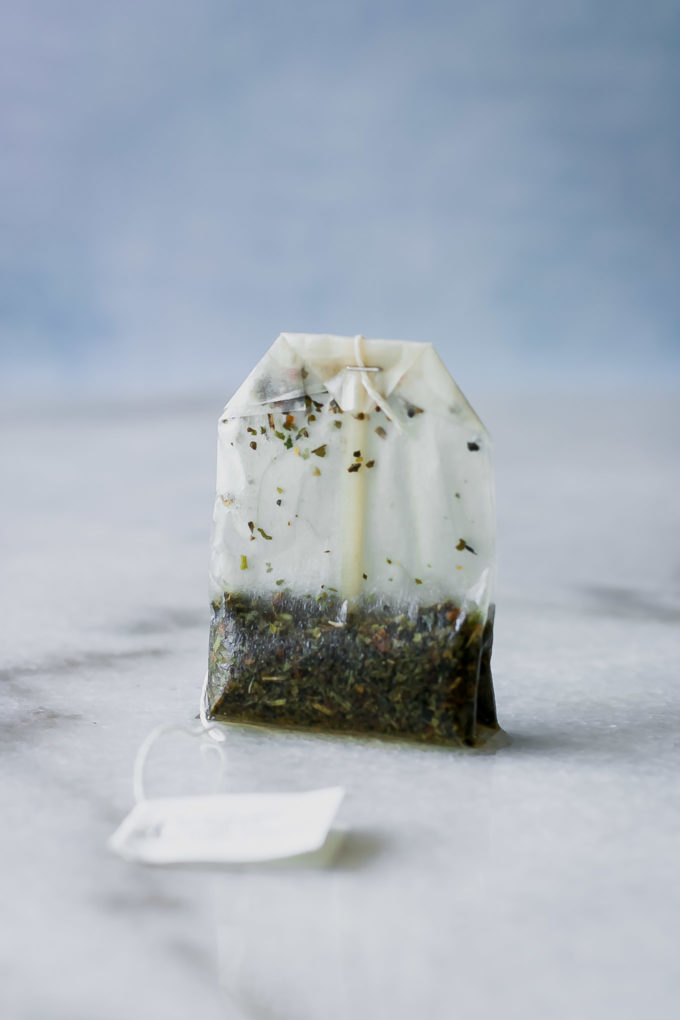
<point>352,553</point>
<point>286,511</point>
<point>237,828</point>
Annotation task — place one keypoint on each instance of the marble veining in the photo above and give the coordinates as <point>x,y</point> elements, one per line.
<point>540,880</point>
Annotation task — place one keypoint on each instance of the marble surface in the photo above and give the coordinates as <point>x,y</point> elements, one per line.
<point>539,881</point>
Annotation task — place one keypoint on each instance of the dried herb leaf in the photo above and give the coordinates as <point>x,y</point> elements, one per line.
<point>462,544</point>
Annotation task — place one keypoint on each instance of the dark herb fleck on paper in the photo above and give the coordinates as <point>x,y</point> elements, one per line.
<point>462,544</point>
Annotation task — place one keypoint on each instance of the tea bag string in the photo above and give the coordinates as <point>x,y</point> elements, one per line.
<point>365,376</point>
<point>205,728</point>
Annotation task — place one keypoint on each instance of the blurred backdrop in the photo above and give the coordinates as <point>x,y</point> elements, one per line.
<point>181,181</point>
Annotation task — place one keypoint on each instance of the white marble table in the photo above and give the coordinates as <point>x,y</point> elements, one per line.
<point>540,881</point>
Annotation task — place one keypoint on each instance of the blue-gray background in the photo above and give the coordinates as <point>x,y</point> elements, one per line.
<point>181,181</point>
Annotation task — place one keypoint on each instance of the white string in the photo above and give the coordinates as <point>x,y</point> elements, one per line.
<point>373,393</point>
<point>205,728</point>
<point>214,731</point>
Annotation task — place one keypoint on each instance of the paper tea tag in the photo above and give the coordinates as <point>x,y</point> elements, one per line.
<point>236,828</point>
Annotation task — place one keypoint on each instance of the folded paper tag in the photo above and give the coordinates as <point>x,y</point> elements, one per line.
<point>236,828</point>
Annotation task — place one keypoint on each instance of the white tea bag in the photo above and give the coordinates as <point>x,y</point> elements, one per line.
<point>352,558</point>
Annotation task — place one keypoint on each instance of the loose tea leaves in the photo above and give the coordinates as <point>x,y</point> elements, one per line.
<point>286,660</point>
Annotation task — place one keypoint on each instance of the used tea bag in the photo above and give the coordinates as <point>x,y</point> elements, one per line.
<point>352,556</point>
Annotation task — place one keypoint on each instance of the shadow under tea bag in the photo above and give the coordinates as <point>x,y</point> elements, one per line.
<point>352,555</point>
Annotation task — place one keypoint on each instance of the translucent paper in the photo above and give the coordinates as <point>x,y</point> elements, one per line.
<point>353,545</point>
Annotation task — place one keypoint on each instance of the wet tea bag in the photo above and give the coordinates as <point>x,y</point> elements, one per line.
<point>352,557</point>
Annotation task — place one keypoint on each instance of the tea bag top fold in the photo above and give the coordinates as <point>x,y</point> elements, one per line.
<point>309,364</point>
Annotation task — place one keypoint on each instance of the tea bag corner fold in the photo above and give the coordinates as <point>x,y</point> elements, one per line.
<point>352,554</point>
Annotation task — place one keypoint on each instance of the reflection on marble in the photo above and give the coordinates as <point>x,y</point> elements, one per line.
<point>540,880</point>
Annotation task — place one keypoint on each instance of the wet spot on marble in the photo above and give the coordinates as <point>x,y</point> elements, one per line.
<point>89,660</point>
<point>629,603</point>
<point>149,899</point>
<point>192,954</point>
<point>26,724</point>
<point>167,621</point>
<point>359,848</point>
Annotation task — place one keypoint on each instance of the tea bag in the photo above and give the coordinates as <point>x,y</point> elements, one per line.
<point>352,557</point>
